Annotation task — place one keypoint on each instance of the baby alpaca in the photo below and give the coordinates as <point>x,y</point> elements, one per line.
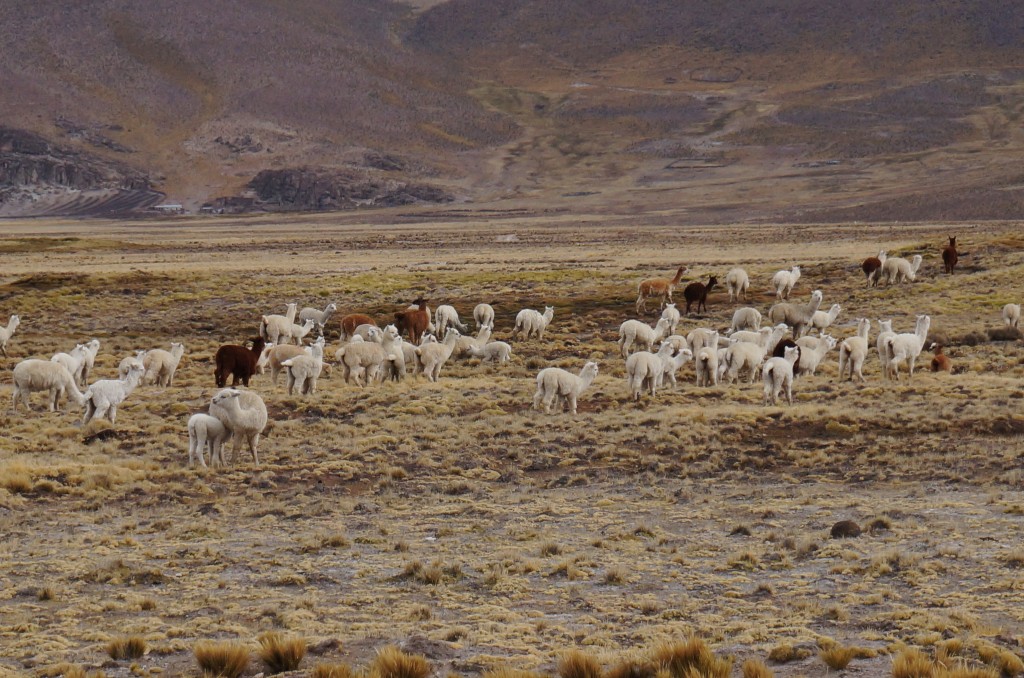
<point>532,322</point>
<point>304,370</point>
<point>778,375</point>
<point>206,431</point>
<point>103,397</point>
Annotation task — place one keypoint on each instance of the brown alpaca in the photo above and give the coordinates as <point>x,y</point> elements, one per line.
<point>657,287</point>
<point>949,255</point>
<point>940,362</point>
<point>698,292</point>
<point>353,320</point>
<point>872,268</point>
<point>238,361</point>
<point>414,322</point>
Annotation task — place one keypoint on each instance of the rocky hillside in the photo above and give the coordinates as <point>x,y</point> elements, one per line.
<point>786,109</point>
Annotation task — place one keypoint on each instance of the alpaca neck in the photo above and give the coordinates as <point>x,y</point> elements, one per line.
<point>291,312</point>
<point>679,276</point>
<point>12,323</point>
<point>585,379</point>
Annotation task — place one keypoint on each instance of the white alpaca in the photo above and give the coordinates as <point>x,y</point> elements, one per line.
<point>746,318</point>
<point>778,375</point>
<point>671,313</point>
<point>705,361</point>
<point>853,351</point>
<point>899,270</point>
<point>43,375</point>
<point>363,361</point>
<point>532,322</point>
<point>905,348</point>
<point>129,361</point>
<point>636,333</point>
<point>797,316</point>
<point>783,282</point>
<point>743,355</point>
<point>737,281</point>
<point>272,327</point>
<point>497,351</point>
<point>264,359</point>
<point>318,317</point>
<point>298,332</point>
<point>161,365</point>
<point>483,314</point>
<point>92,348</point>
<point>446,316</point>
<point>432,357</point>
<point>645,370</point>
<point>304,370</point>
<point>675,362</point>
<point>244,414</point>
<point>7,332</point>
<point>206,431</point>
<point>103,396</point>
<point>74,360</point>
<point>554,383</point>
<point>464,344</point>
<point>699,338</point>
<point>1011,316</point>
<point>409,350</point>
<point>811,356</point>
<point>822,320</point>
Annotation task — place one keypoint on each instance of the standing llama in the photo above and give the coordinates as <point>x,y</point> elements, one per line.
<point>657,287</point>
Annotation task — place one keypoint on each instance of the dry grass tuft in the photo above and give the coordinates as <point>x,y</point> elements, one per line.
<point>837,657</point>
<point>281,653</point>
<point>331,671</point>
<point>911,663</point>
<point>46,593</point>
<point>391,662</point>
<point>1001,659</point>
<point>755,668</point>
<point>223,659</point>
<point>131,647</point>
<point>782,654</point>
<point>632,668</point>
<point>578,664</point>
<point>690,657</point>
<point>506,672</point>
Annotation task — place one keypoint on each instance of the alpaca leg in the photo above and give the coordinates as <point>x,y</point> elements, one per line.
<point>549,398</point>
<point>112,412</point>
<point>789,390</point>
<point>254,440</point>
<point>641,307</point>
<point>291,382</point>
<point>571,398</point>
<point>537,397</point>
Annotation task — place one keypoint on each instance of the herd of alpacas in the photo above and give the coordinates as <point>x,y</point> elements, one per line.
<point>779,352</point>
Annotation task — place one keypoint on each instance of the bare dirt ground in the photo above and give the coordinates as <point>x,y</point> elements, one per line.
<point>451,519</point>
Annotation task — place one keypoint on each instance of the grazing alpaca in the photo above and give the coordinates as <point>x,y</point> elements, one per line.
<point>872,267</point>
<point>1011,315</point>
<point>657,287</point>
<point>414,322</point>
<point>7,332</point>
<point>949,255</point>
<point>698,292</point>
<point>940,362</point>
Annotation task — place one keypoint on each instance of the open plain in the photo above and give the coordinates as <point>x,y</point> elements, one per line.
<point>451,519</point>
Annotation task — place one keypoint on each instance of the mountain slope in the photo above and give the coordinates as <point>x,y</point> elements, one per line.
<point>757,109</point>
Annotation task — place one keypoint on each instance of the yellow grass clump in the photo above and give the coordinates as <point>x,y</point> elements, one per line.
<point>578,664</point>
<point>331,671</point>
<point>131,647</point>
<point>223,659</point>
<point>391,662</point>
<point>837,657</point>
<point>755,668</point>
<point>280,652</point>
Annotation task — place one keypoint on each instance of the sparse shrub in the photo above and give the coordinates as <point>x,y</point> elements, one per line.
<point>1014,559</point>
<point>223,659</point>
<point>46,593</point>
<point>281,653</point>
<point>131,647</point>
<point>755,668</point>
<point>616,574</point>
<point>391,662</point>
<point>550,549</point>
<point>837,657</point>
<point>16,482</point>
<point>331,671</point>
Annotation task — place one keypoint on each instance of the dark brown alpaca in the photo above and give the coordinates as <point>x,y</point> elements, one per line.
<point>698,292</point>
<point>353,320</point>
<point>949,255</point>
<point>238,361</point>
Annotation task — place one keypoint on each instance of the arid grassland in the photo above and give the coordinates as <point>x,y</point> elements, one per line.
<point>452,520</point>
